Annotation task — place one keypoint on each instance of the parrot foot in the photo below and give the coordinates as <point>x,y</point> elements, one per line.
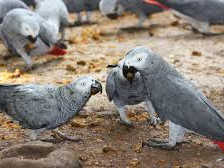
<point>127,123</point>
<point>206,34</point>
<point>65,137</point>
<point>60,44</point>
<point>81,23</point>
<point>163,144</point>
<point>28,68</point>
<point>59,137</point>
<point>210,34</point>
<point>76,23</point>
<point>51,140</point>
<point>133,29</point>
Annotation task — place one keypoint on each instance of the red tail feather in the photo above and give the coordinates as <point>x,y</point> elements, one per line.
<point>57,51</point>
<point>220,144</point>
<point>154,2</point>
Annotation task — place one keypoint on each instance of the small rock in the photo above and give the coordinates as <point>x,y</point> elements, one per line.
<point>134,162</point>
<point>38,155</point>
<point>70,68</point>
<point>196,53</point>
<point>81,62</point>
<point>204,166</point>
<point>77,124</point>
<point>162,162</point>
<point>138,148</point>
<point>107,149</point>
<point>174,23</point>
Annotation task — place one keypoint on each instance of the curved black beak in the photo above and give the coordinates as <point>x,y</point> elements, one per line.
<point>112,66</point>
<point>113,16</point>
<point>32,39</point>
<point>129,73</point>
<point>96,88</point>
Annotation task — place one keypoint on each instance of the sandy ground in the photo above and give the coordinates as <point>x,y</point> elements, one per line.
<point>105,142</point>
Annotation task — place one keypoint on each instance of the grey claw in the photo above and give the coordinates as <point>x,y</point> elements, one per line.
<point>158,141</point>
<point>63,137</point>
<point>158,144</point>
<point>28,68</point>
<point>155,120</point>
<point>128,124</point>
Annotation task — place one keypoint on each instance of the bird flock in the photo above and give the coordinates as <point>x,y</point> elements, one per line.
<point>36,27</point>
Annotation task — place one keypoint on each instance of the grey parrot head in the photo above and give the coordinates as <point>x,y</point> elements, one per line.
<point>86,85</point>
<point>29,28</point>
<point>111,8</point>
<point>137,60</point>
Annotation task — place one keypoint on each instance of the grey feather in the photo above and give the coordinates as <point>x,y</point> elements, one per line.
<point>138,7</point>
<point>121,91</point>
<point>211,11</point>
<point>8,5</point>
<point>54,11</point>
<point>77,6</point>
<point>175,98</point>
<point>44,106</point>
<point>15,40</point>
<point>110,85</point>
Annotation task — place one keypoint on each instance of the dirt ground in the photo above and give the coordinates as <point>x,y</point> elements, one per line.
<point>105,142</point>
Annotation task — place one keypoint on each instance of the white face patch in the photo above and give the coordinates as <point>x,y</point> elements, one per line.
<point>27,30</point>
<point>84,85</point>
<point>140,56</point>
<point>137,60</point>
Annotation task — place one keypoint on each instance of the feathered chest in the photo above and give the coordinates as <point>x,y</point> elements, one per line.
<point>131,94</point>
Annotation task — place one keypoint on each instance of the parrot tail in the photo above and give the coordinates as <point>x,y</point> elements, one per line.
<point>220,144</point>
<point>154,2</point>
<point>57,51</point>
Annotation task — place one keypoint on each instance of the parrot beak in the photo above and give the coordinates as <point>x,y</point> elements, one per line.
<point>96,87</point>
<point>32,39</point>
<point>112,66</point>
<point>129,73</point>
<point>112,16</point>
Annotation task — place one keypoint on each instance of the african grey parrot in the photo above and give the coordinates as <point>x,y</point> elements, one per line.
<point>115,8</point>
<point>174,98</point>
<point>200,13</point>
<point>46,107</point>
<point>8,5</point>
<point>78,6</point>
<point>56,14</point>
<point>21,27</point>
<point>123,93</point>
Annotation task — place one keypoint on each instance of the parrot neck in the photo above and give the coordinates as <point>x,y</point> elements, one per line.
<point>159,69</point>
<point>70,103</point>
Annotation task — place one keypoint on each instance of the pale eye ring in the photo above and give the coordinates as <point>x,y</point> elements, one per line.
<point>139,59</point>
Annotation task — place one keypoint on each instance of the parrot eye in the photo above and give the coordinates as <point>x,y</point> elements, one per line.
<point>139,59</point>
